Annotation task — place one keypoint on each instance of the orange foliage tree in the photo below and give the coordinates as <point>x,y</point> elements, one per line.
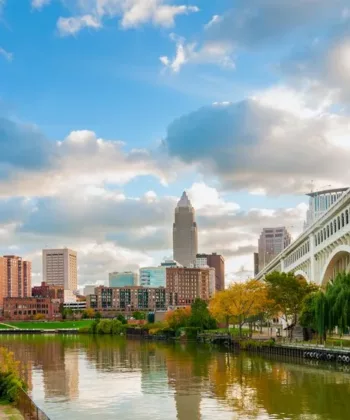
<point>178,318</point>
<point>239,302</point>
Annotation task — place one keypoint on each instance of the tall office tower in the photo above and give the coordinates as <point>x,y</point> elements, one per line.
<point>127,278</point>
<point>60,268</point>
<point>15,277</point>
<point>320,202</point>
<point>256,263</point>
<point>185,234</point>
<point>216,261</point>
<point>272,242</point>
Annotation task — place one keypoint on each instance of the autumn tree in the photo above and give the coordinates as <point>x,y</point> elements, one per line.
<point>288,292</point>
<point>178,318</point>
<point>239,302</point>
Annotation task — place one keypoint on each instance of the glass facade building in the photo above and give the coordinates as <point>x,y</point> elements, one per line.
<point>153,276</point>
<point>123,279</point>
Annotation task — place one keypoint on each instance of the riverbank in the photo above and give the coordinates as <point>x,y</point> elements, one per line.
<point>8,412</point>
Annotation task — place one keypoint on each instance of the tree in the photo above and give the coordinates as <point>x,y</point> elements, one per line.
<point>239,302</point>
<point>288,293</point>
<point>179,318</point>
<point>39,317</point>
<point>104,327</point>
<point>122,319</point>
<point>337,303</point>
<point>139,315</point>
<point>200,316</point>
<point>88,313</point>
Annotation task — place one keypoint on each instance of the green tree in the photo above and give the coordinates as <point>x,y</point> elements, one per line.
<point>116,327</point>
<point>288,293</point>
<point>104,327</point>
<point>10,376</point>
<point>200,316</point>
<point>139,315</point>
<point>121,318</point>
<point>98,315</point>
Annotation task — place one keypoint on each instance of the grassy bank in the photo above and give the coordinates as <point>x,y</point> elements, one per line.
<point>8,412</point>
<point>50,325</point>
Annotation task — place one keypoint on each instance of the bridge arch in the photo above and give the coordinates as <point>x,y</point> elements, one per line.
<point>301,274</point>
<point>337,262</point>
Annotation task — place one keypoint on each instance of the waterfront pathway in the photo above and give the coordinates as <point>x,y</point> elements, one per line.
<point>9,326</point>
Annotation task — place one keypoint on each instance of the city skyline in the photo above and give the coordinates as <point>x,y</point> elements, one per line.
<point>105,120</point>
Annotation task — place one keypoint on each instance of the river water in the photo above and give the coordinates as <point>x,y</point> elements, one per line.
<point>85,377</point>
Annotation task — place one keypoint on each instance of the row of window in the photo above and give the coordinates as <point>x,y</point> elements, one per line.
<point>297,254</point>
<point>336,224</point>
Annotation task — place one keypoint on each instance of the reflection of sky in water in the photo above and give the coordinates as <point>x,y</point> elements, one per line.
<point>86,378</point>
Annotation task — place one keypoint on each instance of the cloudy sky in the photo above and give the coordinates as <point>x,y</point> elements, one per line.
<point>109,109</point>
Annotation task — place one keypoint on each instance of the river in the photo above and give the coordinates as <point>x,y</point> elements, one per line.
<point>85,377</point>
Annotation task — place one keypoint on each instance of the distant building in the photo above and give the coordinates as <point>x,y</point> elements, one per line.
<point>47,291</point>
<point>25,308</point>
<point>170,263</point>
<point>184,285</point>
<point>272,242</point>
<point>216,261</point>
<point>127,278</point>
<point>185,235</point>
<point>128,299</point>
<point>320,202</point>
<point>89,290</point>
<point>256,263</point>
<point>153,276</point>
<point>60,268</point>
<point>15,277</point>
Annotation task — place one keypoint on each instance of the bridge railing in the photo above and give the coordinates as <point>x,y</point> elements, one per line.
<point>28,408</point>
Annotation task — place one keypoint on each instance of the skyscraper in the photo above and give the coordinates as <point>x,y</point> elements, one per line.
<point>60,268</point>
<point>272,241</point>
<point>185,235</point>
<point>15,277</point>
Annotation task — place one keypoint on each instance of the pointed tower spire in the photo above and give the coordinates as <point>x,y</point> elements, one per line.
<point>184,201</point>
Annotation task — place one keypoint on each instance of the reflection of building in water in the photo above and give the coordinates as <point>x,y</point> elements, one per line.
<point>154,378</point>
<point>61,374</point>
<point>187,399</point>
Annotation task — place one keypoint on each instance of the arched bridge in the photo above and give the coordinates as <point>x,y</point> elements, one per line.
<point>320,252</point>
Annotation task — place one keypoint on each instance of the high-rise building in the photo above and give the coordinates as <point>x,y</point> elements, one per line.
<point>60,268</point>
<point>272,242</point>
<point>216,261</point>
<point>256,263</point>
<point>170,263</point>
<point>185,235</point>
<point>320,202</point>
<point>89,289</point>
<point>185,285</point>
<point>15,277</point>
<point>153,276</point>
<point>127,278</point>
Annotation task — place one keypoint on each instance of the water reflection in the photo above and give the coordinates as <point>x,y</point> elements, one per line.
<point>82,377</point>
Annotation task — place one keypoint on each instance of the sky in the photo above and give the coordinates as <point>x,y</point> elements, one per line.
<point>109,109</point>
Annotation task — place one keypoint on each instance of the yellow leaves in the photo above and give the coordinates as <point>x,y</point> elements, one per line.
<point>8,362</point>
<point>240,300</point>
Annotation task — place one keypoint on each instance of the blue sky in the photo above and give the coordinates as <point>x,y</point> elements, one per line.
<point>109,109</point>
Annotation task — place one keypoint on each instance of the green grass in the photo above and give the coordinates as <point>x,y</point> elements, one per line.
<point>233,331</point>
<point>51,325</point>
<point>3,327</point>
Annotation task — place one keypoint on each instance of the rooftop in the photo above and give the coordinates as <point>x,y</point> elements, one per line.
<point>184,201</point>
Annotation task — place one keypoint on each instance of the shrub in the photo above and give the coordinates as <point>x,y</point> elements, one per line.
<point>104,327</point>
<point>10,376</point>
<point>192,332</point>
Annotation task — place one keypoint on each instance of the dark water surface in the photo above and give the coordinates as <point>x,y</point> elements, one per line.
<point>85,377</point>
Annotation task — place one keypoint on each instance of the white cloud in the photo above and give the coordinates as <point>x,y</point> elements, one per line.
<point>132,14</point>
<point>8,56</point>
<point>72,25</point>
<point>81,159</point>
<point>39,4</point>
<point>209,53</point>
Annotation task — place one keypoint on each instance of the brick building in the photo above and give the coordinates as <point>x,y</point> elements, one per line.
<point>128,299</point>
<point>15,277</point>
<point>217,262</point>
<point>25,308</point>
<point>184,285</point>
<point>48,291</point>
